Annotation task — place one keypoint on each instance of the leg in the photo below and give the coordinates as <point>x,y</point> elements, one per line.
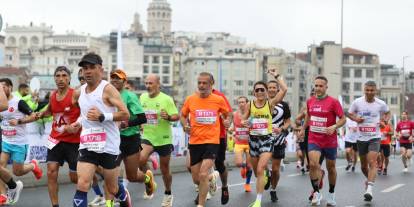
<point>364,164</point>
<point>275,172</point>
<point>404,156</point>
<point>85,177</point>
<point>261,168</point>
<point>133,173</point>
<point>165,171</point>
<point>331,167</point>
<point>372,161</point>
<point>52,185</point>
<point>144,155</point>
<point>204,178</point>
<point>315,168</point>
<point>4,158</point>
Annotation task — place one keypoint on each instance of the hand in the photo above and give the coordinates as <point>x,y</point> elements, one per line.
<point>411,138</point>
<point>13,122</point>
<point>35,96</point>
<point>37,115</point>
<point>187,129</point>
<point>245,123</point>
<point>164,115</point>
<point>301,133</point>
<point>273,71</point>
<point>93,114</point>
<point>123,125</point>
<point>331,130</point>
<point>359,120</point>
<point>73,128</point>
<point>277,130</point>
<point>226,123</point>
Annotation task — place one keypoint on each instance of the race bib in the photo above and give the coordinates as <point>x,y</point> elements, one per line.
<point>94,139</point>
<point>8,131</point>
<point>405,132</point>
<point>368,130</point>
<point>242,133</point>
<point>318,124</point>
<point>51,143</point>
<point>259,126</point>
<point>152,117</point>
<point>206,117</point>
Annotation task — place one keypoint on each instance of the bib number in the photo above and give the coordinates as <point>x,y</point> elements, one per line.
<point>206,117</point>
<point>51,143</point>
<point>368,130</point>
<point>318,124</point>
<point>242,133</point>
<point>94,139</point>
<point>9,131</point>
<point>152,117</point>
<point>259,126</point>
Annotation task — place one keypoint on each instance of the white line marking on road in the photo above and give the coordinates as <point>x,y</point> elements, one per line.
<point>293,175</point>
<point>342,166</point>
<point>236,184</point>
<point>392,188</point>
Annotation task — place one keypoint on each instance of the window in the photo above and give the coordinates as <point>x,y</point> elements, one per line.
<point>146,69</point>
<point>251,83</point>
<point>394,100</point>
<point>238,82</point>
<point>345,73</point>
<point>357,86</point>
<point>238,92</point>
<point>385,99</point>
<point>155,59</point>
<point>345,59</point>
<point>384,81</point>
<point>289,84</point>
<point>146,59</point>
<point>165,69</point>
<point>166,59</point>
<point>345,99</point>
<point>355,97</point>
<point>357,73</point>
<point>155,69</point>
<point>165,80</point>
<point>290,70</point>
<point>369,73</point>
<point>394,82</point>
<point>357,59</point>
<point>345,86</point>
<point>250,93</point>
<point>48,60</point>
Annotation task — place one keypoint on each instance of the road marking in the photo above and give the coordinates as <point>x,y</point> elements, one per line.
<point>392,188</point>
<point>236,184</point>
<point>293,175</point>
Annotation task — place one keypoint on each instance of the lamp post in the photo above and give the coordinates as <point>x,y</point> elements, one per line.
<point>404,86</point>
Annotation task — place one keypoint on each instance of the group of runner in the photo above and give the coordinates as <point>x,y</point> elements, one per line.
<point>100,124</point>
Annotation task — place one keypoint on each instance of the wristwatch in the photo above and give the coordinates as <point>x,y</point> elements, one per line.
<point>19,121</point>
<point>101,118</point>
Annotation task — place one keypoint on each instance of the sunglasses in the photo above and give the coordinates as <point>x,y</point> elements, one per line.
<point>81,78</point>
<point>257,90</point>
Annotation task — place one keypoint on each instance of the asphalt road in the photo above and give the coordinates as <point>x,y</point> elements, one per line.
<point>396,189</point>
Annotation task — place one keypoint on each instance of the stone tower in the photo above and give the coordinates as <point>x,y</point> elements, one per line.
<point>159,17</point>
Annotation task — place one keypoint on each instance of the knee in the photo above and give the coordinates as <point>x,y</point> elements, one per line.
<point>165,170</point>
<point>203,176</point>
<point>331,170</point>
<point>52,174</point>
<point>83,184</point>
<point>18,172</point>
<point>314,165</point>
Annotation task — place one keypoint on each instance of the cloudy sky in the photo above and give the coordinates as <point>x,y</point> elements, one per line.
<point>378,26</point>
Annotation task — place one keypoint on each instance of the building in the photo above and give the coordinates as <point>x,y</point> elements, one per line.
<point>159,18</point>
<point>2,50</point>
<point>390,88</point>
<point>16,75</point>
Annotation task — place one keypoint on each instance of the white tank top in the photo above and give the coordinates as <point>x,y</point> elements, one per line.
<point>96,136</point>
<point>13,134</point>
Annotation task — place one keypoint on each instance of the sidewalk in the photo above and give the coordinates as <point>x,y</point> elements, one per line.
<point>177,165</point>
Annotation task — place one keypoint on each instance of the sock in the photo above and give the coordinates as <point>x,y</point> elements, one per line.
<point>121,195</point>
<point>225,188</point>
<point>57,205</point>
<point>259,197</point>
<point>11,184</point>
<point>331,188</point>
<point>147,179</point>
<point>273,189</point>
<point>248,175</point>
<point>97,190</point>
<point>167,192</point>
<point>109,203</point>
<point>315,185</point>
<point>80,199</point>
<point>370,183</point>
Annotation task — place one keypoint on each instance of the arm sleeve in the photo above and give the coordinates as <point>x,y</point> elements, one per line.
<point>138,120</point>
<point>24,108</point>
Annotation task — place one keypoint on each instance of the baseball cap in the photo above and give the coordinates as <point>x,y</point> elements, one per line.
<point>90,58</point>
<point>119,73</point>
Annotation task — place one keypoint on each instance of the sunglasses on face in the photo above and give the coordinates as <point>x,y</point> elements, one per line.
<point>257,90</point>
<point>81,78</point>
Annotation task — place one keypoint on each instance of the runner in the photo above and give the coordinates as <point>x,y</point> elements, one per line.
<point>387,130</point>
<point>14,142</point>
<point>130,137</point>
<point>241,146</point>
<point>81,78</point>
<point>259,119</point>
<point>280,126</point>
<point>350,144</point>
<point>160,111</point>
<point>14,188</point>
<point>62,145</point>
<point>203,110</point>
<point>302,140</point>
<point>322,112</point>
<point>367,112</point>
<point>100,105</point>
<point>404,133</point>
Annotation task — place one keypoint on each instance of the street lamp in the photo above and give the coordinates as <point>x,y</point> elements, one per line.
<point>404,87</point>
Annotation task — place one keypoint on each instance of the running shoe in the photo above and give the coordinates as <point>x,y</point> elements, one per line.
<point>330,200</point>
<point>316,199</point>
<point>368,194</point>
<point>243,172</point>
<point>348,167</point>
<point>247,188</point>
<point>3,200</point>
<point>385,171</point>
<point>151,186</point>
<point>353,169</point>
<point>167,201</point>
<point>14,194</point>
<point>273,196</point>
<point>255,204</point>
<point>37,171</point>
<point>213,182</point>
<point>97,201</point>
<point>224,195</point>
<point>405,170</point>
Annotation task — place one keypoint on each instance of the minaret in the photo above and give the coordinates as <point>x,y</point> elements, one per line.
<point>159,17</point>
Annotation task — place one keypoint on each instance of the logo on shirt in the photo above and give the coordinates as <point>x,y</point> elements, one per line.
<point>11,109</point>
<point>67,109</point>
<point>317,109</point>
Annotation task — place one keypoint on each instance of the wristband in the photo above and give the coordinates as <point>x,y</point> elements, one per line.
<point>79,120</point>
<point>108,116</point>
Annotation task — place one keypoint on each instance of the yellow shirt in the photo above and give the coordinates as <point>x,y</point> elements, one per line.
<point>261,119</point>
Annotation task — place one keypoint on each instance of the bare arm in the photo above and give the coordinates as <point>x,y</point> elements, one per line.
<point>282,90</point>
<point>4,104</point>
<point>114,99</point>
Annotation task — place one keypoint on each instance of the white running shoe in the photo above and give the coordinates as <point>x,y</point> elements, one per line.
<point>316,200</point>
<point>97,201</point>
<point>330,200</point>
<point>368,193</point>
<point>147,197</point>
<point>213,182</point>
<point>208,196</point>
<point>167,201</point>
<point>405,170</point>
<point>14,194</point>
<point>196,187</point>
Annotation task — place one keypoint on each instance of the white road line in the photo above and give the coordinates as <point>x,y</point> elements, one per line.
<point>236,184</point>
<point>392,188</point>
<point>293,175</point>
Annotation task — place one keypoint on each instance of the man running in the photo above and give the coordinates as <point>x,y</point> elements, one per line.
<point>322,112</point>
<point>241,146</point>
<point>14,140</point>
<point>280,125</point>
<point>160,111</point>
<point>404,133</point>
<point>259,119</point>
<point>351,149</point>
<point>387,130</point>
<point>203,110</point>
<point>101,106</point>
<point>367,111</point>
<point>62,145</point>
<point>14,188</point>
